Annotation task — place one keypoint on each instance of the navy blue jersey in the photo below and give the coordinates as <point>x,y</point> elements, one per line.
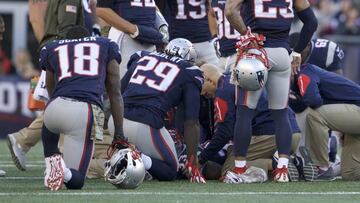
<point>189,20</point>
<point>156,82</point>
<point>325,54</point>
<point>225,115</point>
<point>140,12</point>
<point>271,18</point>
<point>315,87</point>
<point>226,34</point>
<point>79,66</point>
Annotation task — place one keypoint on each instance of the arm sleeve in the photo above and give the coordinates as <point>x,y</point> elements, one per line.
<point>309,90</point>
<point>113,52</point>
<point>337,60</point>
<point>224,127</point>
<point>70,13</point>
<point>105,3</point>
<point>306,16</point>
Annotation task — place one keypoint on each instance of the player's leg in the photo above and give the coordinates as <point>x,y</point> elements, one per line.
<point>206,53</point>
<point>341,117</point>
<point>246,104</point>
<point>127,47</point>
<point>78,146</point>
<point>221,64</point>
<point>157,147</point>
<point>20,142</point>
<point>301,119</point>
<point>278,86</point>
<point>230,62</point>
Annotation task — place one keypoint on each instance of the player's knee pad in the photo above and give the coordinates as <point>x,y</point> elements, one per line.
<point>77,180</point>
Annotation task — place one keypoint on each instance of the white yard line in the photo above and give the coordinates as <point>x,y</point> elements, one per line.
<point>27,165</point>
<point>175,193</point>
<point>21,178</point>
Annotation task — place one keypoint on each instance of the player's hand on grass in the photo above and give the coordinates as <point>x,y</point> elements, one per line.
<point>193,172</point>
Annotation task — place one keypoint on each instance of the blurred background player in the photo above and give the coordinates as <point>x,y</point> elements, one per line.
<point>189,20</point>
<point>155,83</point>
<point>322,53</point>
<point>133,26</point>
<point>76,86</point>
<point>2,30</point>
<point>227,36</point>
<point>334,105</point>
<point>273,20</point>
<point>50,20</point>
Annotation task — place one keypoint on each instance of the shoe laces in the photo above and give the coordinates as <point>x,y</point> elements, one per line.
<point>280,171</point>
<point>239,170</point>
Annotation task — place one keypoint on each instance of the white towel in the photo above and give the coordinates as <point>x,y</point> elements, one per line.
<point>40,92</point>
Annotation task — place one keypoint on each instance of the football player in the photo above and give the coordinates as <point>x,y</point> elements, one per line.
<point>154,83</point>
<point>323,53</point>
<point>134,26</point>
<point>189,20</point>
<point>47,26</point>
<point>271,19</point>
<point>77,70</point>
<point>334,103</point>
<point>227,36</point>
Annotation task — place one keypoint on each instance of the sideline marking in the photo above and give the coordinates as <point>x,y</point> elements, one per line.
<point>175,193</point>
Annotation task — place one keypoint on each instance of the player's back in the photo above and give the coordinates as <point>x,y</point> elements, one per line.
<point>141,12</point>
<point>226,34</point>
<point>325,54</point>
<point>189,20</point>
<point>333,87</point>
<point>79,66</point>
<point>271,18</point>
<point>154,83</point>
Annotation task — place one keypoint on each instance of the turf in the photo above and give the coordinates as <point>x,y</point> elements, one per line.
<point>27,186</point>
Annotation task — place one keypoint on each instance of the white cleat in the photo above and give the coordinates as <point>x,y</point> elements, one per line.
<point>54,172</point>
<point>251,175</point>
<point>17,154</point>
<point>2,173</point>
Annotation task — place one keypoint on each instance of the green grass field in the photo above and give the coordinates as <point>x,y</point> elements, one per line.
<point>27,186</point>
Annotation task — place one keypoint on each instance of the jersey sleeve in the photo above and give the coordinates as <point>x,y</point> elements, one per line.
<point>224,124</point>
<point>105,3</point>
<point>43,60</point>
<point>113,52</point>
<point>337,60</point>
<point>309,90</point>
<point>191,99</point>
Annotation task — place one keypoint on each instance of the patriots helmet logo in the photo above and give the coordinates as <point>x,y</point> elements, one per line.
<point>260,78</point>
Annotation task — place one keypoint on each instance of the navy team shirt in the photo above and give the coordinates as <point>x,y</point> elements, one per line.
<point>271,18</point>
<point>139,12</point>
<point>226,34</point>
<point>225,117</point>
<point>156,82</point>
<point>79,66</point>
<point>315,87</point>
<point>189,20</point>
<point>325,54</point>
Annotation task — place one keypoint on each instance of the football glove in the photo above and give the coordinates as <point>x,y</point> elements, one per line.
<point>193,171</point>
<point>250,40</point>
<point>147,35</point>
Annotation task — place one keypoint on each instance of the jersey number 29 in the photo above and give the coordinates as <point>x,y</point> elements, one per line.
<point>83,64</point>
<point>165,73</point>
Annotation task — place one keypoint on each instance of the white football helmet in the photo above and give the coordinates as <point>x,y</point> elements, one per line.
<point>182,48</point>
<point>250,72</point>
<point>125,169</point>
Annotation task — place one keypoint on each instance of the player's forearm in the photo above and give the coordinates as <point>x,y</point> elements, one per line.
<point>306,16</point>
<point>114,20</point>
<point>191,136</point>
<point>232,12</point>
<point>37,11</point>
<point>212,22</point>
<point>93,12</point>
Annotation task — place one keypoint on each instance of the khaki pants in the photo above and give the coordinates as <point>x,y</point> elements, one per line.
<point>344,118</point>
<point>96,168</point>
<point>29,136</point>
<point>261,149</point>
